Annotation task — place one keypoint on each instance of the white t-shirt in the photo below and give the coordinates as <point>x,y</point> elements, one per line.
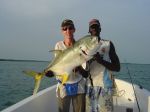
<point>100,74</point>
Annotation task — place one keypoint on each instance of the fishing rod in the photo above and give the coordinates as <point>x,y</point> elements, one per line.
<point>133,87</point>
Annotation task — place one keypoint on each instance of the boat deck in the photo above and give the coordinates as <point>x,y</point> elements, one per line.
<point>45,101</point>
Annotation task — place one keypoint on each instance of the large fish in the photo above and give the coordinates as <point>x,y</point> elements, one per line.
<point>65,61</point>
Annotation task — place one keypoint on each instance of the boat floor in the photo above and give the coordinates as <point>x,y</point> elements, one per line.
<point>45,101</point>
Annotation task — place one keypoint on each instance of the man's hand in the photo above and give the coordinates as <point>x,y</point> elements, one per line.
<point>83,72</point>
<point>77,69</point>
<point>98,58</point>
<point>49,74</point>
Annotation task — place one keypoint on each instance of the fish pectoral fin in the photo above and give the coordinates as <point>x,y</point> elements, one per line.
<point>56,52</point>
<point>65,78</point>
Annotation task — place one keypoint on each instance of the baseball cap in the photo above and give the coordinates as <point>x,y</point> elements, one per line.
<point>94,22</point>
<point>67,22</point>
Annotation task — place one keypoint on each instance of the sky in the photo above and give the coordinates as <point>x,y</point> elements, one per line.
<point>30,28</point>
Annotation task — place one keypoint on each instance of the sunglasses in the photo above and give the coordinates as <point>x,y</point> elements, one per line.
<point>94,27</point>
<point>69,28</point>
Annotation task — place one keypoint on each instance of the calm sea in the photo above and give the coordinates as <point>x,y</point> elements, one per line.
<point>15,86</point>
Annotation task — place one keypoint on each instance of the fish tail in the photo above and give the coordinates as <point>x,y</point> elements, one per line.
<point>30,73</point>
<point>36,86</point>
<point>37,77</point>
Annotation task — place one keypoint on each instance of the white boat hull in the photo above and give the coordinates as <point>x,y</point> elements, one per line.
<point>45,101</point>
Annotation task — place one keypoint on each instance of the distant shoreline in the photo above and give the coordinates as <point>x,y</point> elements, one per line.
<point>22,60</point>
<point>49,61</point>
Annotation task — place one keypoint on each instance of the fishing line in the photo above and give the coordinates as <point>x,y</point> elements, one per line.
<point>133,87</point>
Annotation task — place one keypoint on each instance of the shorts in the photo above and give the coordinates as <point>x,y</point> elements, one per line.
<point>99,99</point>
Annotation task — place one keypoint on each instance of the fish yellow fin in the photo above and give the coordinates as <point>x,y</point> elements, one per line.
<point>65,78</point>
<point>37,77</point>
<point>36,86</point>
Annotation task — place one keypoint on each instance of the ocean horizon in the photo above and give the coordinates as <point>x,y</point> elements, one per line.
<point>34,60</point>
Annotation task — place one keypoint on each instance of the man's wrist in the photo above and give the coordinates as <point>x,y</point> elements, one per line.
<point>101,61</point>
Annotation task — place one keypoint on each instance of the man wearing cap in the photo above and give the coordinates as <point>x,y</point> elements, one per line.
<point>64,94</point>
<point>99,83</point>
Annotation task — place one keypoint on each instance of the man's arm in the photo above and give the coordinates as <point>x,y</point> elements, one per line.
<point>114,65</point>
<point>83,72</point>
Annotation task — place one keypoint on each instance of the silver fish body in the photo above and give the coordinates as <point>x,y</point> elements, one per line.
<point>65,61</point>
